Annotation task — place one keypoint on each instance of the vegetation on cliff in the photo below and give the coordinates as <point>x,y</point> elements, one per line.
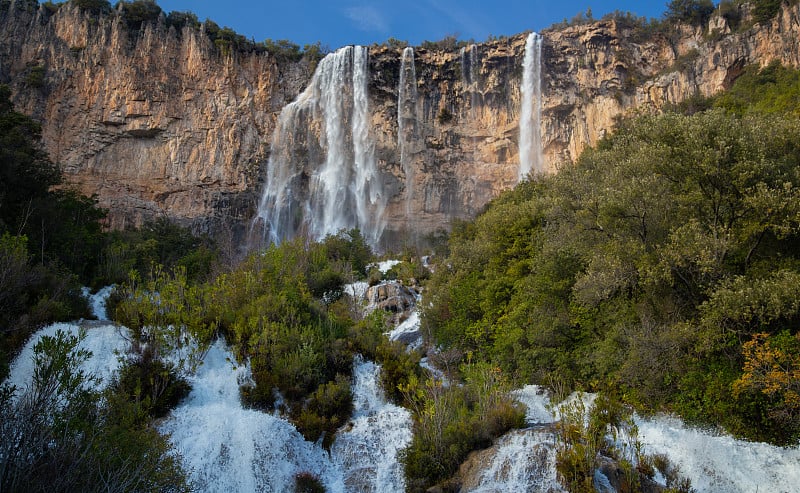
<point>664,263</point>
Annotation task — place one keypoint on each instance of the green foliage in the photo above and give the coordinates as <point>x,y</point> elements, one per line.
<point>35,77</point>
<point>94,6</point>
<point>451,421</point>
<point>280,309</point>
<point>139,12</point>
<point>50,7</point>
<point>26,173</point>
<point>448,43</point>
<point>395,43</point>
<point>326,410</point>
<point>283,50</point>
<point>168,316</point>
<point>646,266</point>
<point>729,10</point>
<point>179,20</point>
<point>160,242</point>
<point>151,384</point>
<point>695,12</point>
<point>765,10</point>
<point>60,435</point>
<point>604,430</point>
<point>350,250</point>
<point>772,90</point>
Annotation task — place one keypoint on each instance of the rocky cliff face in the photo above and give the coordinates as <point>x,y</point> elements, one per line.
<point>154,122</point>
<point>157,122</point>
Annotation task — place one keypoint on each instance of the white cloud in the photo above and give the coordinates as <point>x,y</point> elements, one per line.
<point>367,18</point>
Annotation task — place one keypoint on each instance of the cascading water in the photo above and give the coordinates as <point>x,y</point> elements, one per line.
<point>469,78</point>
<point>407,119</point>
<point>720,463</point>
<point>228,448</point>
<point>530,123</point>
<point>246,450</point>
<point>367,449</point>
<point>713,463</point>
<point>322,175</point>
<point>239,449</point>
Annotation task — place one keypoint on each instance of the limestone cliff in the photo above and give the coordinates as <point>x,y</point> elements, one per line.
<point>159,122</point>
<point>154,122</point>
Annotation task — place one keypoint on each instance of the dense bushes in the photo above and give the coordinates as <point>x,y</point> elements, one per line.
<point>138,12</point>
<point>450,421</point>
<point>646,266</point>
<point>45,235</point>
<point>589,435</point>
<point>60,435</point>
<point>281,310</point>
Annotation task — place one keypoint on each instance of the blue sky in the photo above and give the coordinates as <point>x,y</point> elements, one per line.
<point>337,23</point>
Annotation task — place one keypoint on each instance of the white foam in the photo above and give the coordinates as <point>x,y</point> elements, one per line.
<point>105,342</point>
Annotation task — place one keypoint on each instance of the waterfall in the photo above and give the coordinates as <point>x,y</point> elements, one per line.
<point>367,451</point>
<point>525,460</point>
<point>469,78</point>
<point>322,175</point>
<point>530,124</point>
<point>407,119</point>
<point>227,448</point>
<point>246,450</point>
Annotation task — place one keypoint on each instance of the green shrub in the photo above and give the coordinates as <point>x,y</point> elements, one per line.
<point>94,6</point>
<point>179,20</point>
<point>325,411</point>
<point>152,384</point>
<point>766,10</point>
<point>60,435</point>
<point>695,12</point>
<point>139,12</point>
<point>35,77</point>
<point>452,421</point>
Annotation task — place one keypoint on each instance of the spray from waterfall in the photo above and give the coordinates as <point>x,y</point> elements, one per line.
<point>530,125</point>
<point>407,119</point>
<point>322,175</point>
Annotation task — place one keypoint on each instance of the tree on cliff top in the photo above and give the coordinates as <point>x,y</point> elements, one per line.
<point>694,12</point>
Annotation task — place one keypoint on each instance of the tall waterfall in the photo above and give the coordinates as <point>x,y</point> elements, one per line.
<point>469,78</point>
<point>407,119</point>
<point>530,124</point>
<point>322,175</point>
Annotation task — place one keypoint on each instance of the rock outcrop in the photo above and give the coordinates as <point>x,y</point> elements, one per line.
<point>159,122</point>
<point>153,121</point>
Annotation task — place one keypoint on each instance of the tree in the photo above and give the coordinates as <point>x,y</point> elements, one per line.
<point>694,12</point>
<point>59,435</point>
<point>26,173</point>
<point>772,368</point>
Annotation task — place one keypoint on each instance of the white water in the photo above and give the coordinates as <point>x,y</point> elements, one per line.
<point>530,132</point>
<point>525,461</point>
<point>106,343</point>
<point>228,448</point>
<point>367,450</point>
<point>97,301</point>
<point>719,463</point>
<point>407,119</point>
<point>469,78</point>
<point>713,463</point>
<point>322,175</point>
